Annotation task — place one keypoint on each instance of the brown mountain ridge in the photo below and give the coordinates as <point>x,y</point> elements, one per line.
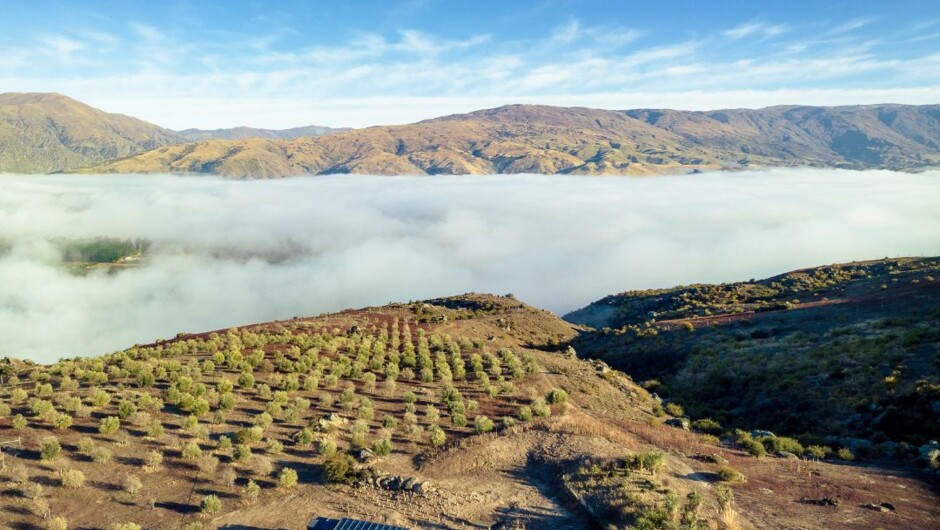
<point>541,139</point>
<point>49,132</point>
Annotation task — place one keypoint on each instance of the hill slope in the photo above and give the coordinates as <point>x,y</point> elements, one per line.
<point>242,133</point>
<point>225,423</point>
<point>43,133</point>
<point>830,353</point>
<point>541,139</point>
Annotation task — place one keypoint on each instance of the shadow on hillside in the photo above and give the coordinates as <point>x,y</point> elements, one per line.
<point>544,477</point>
<point>177,507</point>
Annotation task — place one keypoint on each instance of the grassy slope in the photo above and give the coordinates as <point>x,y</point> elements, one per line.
<point>43,133</point>
<point>479,479</point>
<point>844,350</point>
<point>540,139</point>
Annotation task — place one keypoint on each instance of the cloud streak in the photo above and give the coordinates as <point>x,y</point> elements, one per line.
<point>229,253</point>
<point>573,59</point>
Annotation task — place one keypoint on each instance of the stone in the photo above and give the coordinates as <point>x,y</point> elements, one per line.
<point>679,423</point>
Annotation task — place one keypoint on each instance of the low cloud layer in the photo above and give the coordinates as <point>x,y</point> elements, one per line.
<point>228,253</point>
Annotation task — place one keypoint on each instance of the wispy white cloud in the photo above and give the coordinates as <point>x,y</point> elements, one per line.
<point>60,46</point>
<point>148,33</point>
<point>848,26</point>
<point>755,28</point>
<point>571,62</point>
<point>566,33</point>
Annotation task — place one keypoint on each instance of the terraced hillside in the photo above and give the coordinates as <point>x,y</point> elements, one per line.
<point>843,354</point>
<point>453,413</point>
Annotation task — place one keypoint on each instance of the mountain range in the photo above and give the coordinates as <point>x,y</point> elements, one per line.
<point>48,132</point>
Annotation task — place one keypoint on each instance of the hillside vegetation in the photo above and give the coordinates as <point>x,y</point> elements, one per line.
<point>843,355</point>
<point>448,413</point>
<point>45,133</point>
<point>541,139</point>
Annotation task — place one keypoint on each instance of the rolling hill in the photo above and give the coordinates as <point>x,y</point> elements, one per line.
<point>242,133</point>
<point>41,133</point>
<point>467,411</point>
<point>45,133</point>
<point>841,354</point>
<point>540,139</point>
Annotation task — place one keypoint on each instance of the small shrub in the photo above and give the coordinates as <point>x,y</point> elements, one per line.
<point>132,484</point>
<point>191,451</point>
<point>303,437</point>
<point>540,408</point>
<point>18,422</point>
<point>49,448</point>
<point>556,396</point>
<point>818,451</point>
<point>109,425</point>
<point>210,505</point>
<point>287,478</point>
<point>710,439</point>
<point>382,447</point>
<point>71,478</point>
<point>729,474</point>
<point>338,468</point>
<point>32,490</point>
<point>57,523</point>
<point>327,448</point>
<point>775,444</point>
<point>846,454</point>
<point>154,461</point>
<point>482,424</point>
<point>707,426</point>
<point>675,409</point>
<point>436,436</point>
<point>754,448</point>
<point>101,455</point>
<point>252,490</point>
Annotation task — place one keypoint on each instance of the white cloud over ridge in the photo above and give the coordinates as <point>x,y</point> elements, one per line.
<point>164,78</point>
<point>228,253</point>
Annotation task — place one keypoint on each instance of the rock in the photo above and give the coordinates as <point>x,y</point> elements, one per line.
<point>330,421</point>
<point>408,484</point>
<point>679,423</point>
<point>883,507</point>
<point>787,454</point>
<point>825,501</point>
<point>760,434</point>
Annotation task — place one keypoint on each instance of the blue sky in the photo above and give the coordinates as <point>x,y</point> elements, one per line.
<point>188,63</point>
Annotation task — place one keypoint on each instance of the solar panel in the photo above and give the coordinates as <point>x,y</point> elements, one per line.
<point>323,523</point>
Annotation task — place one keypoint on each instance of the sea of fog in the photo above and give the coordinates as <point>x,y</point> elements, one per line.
<point>232,252</point>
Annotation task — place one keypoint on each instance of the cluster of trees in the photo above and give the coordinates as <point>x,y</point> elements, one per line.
<point>102,250</point>
<point>191,398</point>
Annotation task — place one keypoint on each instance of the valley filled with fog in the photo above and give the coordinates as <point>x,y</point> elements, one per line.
<point>222,253</point>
